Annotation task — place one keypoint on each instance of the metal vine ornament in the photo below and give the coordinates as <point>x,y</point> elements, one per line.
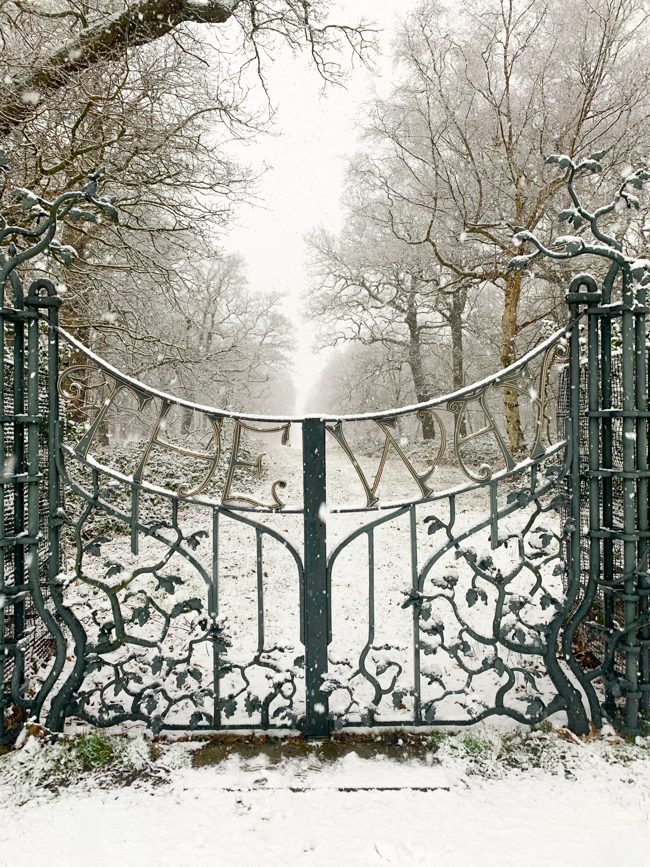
<point>184,588</point>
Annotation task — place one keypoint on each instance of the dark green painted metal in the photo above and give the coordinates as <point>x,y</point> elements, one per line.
<point>639,422</point>
<point>629,641</point>
<point>624,589</point>
<point>19,469</point>
<point>4,699</point>
<point>593,457</point>
<point>213,611</point>
<point>54,500</point>
<point>618,525</point>
<point>417,697</point>
<point>577,594</point>
<point>315,606</point>
<point>606,450</point>
<point>31,551</point>
<point>25,479</point>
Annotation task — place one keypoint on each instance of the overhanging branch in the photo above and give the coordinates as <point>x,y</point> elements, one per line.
<point>108,40</point>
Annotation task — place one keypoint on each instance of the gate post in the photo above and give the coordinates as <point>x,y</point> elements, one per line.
<point>615,468</point>
<point>582,580</point>
<point>635,493</point>
<point>315,599</point>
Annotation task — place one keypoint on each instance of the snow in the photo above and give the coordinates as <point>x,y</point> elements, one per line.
<point>360,663</point>
<point>384,414</point>
<point>30,97</point>
<point>445,809</point>
<point>466,802</point>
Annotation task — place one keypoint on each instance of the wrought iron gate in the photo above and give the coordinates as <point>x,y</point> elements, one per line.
<point>153,615</point>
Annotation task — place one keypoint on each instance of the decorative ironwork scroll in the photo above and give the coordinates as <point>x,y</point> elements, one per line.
<point>184,587</point>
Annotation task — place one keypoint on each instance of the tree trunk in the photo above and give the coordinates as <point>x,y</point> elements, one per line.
<point>509,330</point>
<point>422,392</point>
<point>186,422</point>
<point>73,317</point>
<point>457,361</point>
<point>456,327</point>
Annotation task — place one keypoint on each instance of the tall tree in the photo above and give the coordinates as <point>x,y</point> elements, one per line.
<point>82,36</point>
<point>153,91</point>
<point>374,290</point>
<point>458,148</point>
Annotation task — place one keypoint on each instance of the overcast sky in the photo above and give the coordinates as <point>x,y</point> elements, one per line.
<point>314,135</point>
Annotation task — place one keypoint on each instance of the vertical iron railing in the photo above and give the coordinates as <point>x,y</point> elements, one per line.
<point>18,479</point>
<point>15,540</point>
<point>28,487</point>
<point>21,541</point>
<point>3,549</point>
<point>608,577</point>
<point>615,519</point>
<point>315,603</point>
<point>629,643</point>
<point>43,301</point>
<point>581,593</point>
<point>642,416</point>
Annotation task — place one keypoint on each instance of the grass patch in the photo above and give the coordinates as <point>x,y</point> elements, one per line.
<point>91,752</point>
<point>476,746</point>
<point>106,761</point>
<point>44,764</point>
<point>436,740</point>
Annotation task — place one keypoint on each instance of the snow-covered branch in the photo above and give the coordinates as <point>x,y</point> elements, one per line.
<point>111,36</point>
<point>39,235</point>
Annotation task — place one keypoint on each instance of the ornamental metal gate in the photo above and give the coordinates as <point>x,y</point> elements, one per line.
<point>378,579</point>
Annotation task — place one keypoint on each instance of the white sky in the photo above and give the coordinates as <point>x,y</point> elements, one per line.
<point>314,135</point>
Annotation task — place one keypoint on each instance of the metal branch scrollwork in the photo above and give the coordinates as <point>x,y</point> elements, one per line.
<point>93,393</point>
<point>486,620</point>
<point>153,646</point>
<point>168,627</point>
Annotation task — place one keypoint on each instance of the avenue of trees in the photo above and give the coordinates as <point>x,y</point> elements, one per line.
<point>454,165</point>
<point>153,91</point>
<point>416,287</point>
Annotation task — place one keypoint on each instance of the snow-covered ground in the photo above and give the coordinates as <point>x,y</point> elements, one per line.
<point>539,799</point>
<point>489,795</point>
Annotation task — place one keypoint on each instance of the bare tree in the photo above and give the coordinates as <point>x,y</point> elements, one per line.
<point>373,289</point>
<point>154,92</point>
<point>234,343</point>
<point>457,151</point>
<point>93,34</point>
<point>362,378</point>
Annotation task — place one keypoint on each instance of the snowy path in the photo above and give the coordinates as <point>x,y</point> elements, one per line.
<point>242,813</point>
